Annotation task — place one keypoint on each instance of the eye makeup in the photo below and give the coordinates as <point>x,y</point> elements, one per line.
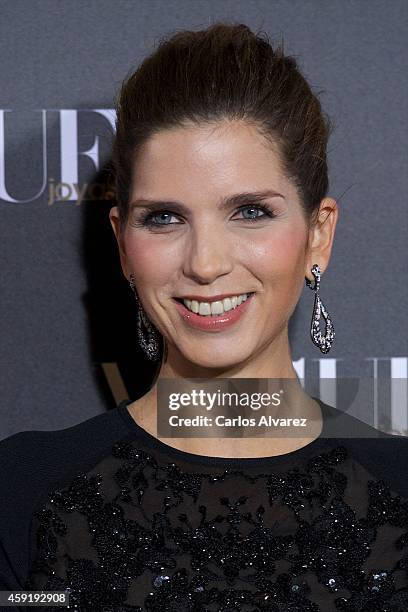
<point>146,218</point>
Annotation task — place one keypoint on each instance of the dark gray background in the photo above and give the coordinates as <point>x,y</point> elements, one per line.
<point>65,307</point>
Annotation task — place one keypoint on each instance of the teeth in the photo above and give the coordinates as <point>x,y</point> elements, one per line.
<point>215,308</point>
<point>193,305</point>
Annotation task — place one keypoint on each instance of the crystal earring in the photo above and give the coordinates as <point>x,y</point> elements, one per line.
<point>147,334</point>
<point>323,342</point>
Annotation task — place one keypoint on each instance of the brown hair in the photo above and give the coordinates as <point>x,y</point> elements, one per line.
<point>224,72</point>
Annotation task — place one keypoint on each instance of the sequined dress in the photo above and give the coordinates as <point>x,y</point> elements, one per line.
<point>125,522</point>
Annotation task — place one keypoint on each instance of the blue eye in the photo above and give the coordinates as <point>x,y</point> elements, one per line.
<point>149,219</point>
<point>264,209</point>
<point>151,216</point>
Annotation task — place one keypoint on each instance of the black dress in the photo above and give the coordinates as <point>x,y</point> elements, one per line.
<point>126,522</point>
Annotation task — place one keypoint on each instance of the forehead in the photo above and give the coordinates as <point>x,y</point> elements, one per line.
<point>227,155</point>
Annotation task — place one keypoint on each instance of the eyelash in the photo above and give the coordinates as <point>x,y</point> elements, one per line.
<point>147,220</point>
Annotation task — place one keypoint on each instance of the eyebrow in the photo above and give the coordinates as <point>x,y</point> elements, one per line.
<point>238,199</point>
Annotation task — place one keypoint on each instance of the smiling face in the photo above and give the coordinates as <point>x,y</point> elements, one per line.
<point>201,242</point>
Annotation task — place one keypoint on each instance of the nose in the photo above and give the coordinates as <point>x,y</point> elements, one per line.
<point>207,256</point>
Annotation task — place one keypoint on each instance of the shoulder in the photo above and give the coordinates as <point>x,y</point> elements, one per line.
<point>386,457</point>
<point>30,451</point>
<point>383,455</point>
<point>30,460</point>
<point>32,463</point>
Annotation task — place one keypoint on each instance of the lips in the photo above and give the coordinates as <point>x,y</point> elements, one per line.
<point>213,323</point>
<point>214,298</point>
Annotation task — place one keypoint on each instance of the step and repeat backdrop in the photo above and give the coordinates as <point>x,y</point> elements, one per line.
<point>68,347</point>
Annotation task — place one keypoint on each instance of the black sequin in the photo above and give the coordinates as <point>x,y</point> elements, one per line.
<point>149,536</point>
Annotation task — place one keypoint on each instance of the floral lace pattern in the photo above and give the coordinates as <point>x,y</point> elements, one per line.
<point>151,536</point>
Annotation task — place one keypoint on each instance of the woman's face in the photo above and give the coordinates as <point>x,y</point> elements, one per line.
<point>193,244</point>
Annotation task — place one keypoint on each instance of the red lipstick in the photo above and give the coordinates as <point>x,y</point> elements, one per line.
<point>214,323</point>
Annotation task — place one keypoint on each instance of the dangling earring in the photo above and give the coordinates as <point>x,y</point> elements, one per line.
<point>323,342</point>
<point>147,334</point>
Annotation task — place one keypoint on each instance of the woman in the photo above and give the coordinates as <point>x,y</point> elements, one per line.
<point>222,215</point>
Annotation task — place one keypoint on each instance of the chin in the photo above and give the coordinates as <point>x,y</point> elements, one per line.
<point>219,360</point>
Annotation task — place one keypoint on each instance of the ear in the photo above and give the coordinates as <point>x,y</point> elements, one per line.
<point>115,223</point>
<point>321,236</point>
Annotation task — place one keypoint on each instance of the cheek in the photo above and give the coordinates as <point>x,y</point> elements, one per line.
<point>281,253</point>
<point>153,261</point>
<point>279,265</point>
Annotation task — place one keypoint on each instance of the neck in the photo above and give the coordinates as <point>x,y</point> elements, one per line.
<point>273,362</point>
